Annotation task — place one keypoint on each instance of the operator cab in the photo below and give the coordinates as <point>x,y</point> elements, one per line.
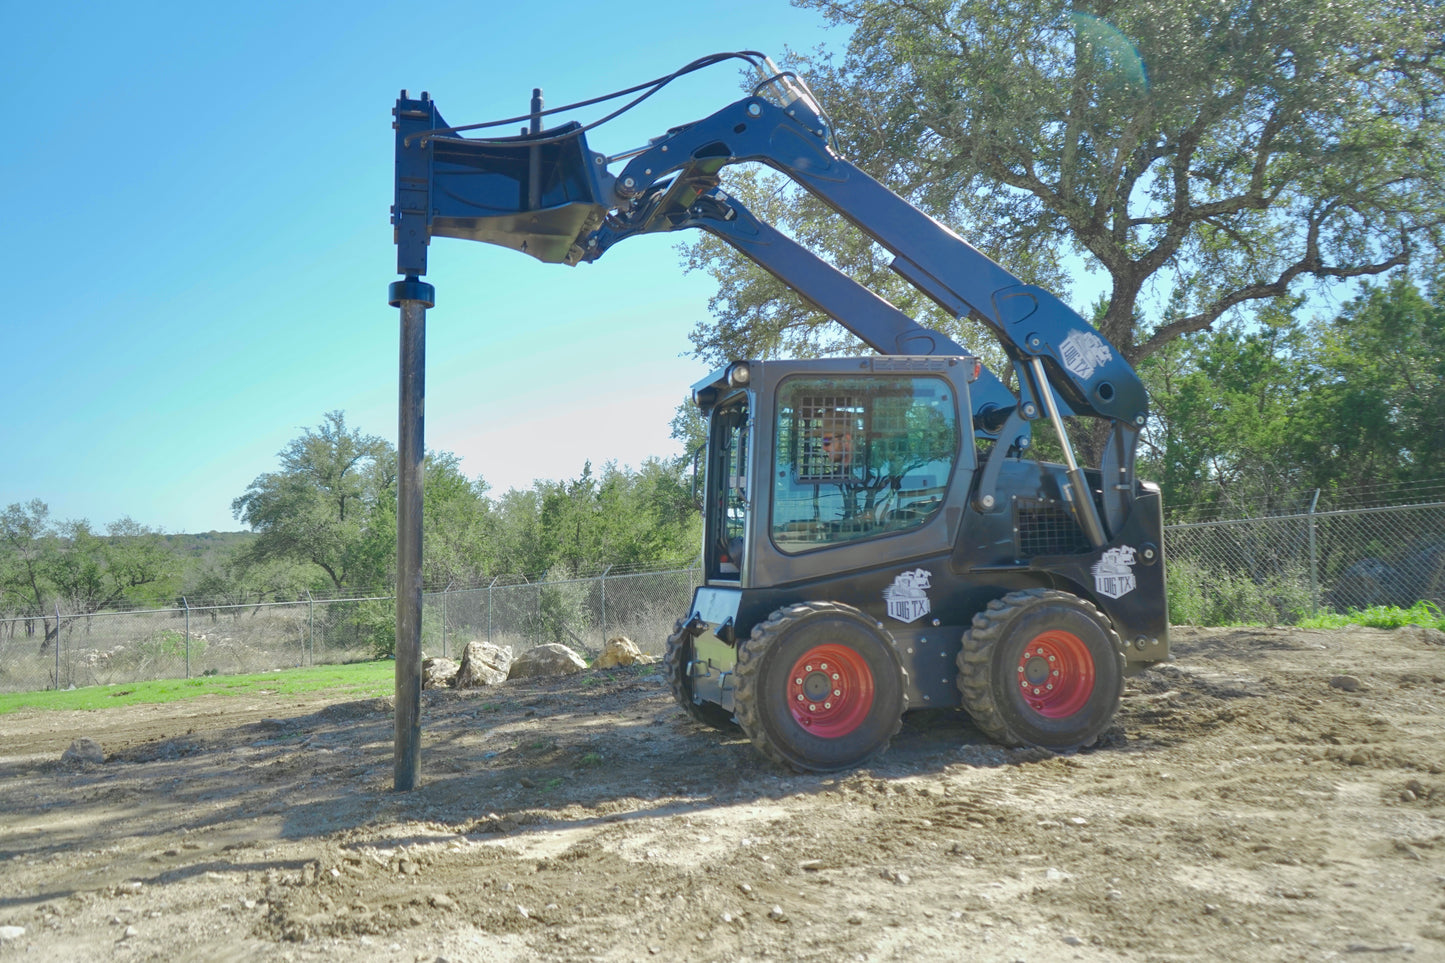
<point>826,457</point>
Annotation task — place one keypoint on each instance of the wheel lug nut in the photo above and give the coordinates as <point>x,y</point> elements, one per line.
<point>835,677</point>
<point>812,708</point>
<point>800,697</point>
<point>837,692</point>
<point>1051,658</point>
<point>827,705</point>
<point>1051,687</point>
<point>797,682</point>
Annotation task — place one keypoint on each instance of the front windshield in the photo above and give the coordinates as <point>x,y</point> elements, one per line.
<point>860,456</point>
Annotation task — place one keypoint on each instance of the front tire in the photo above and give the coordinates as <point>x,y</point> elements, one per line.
<point>1041,668</point>
<point>819,687</point>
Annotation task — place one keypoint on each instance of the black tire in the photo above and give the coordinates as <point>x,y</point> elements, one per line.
<point>675,659</point>
<point>849,709</point>
<point>1041,668</point>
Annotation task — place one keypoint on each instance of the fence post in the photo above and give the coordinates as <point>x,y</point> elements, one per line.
<point>489,609</point>
<point>1314,559</point>
<point>444,618</point>
<point>603,580</point>
<point>308,655</point>
<point>57,644</point>
<point>187,606</point>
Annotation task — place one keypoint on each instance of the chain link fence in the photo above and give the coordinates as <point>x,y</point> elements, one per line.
<point>1275,570</point>
<point>61,650</point>
<point>1270,570</point>
<point>581,613</point>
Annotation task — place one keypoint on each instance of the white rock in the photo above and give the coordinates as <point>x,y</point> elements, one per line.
<point>550,659</point>
<point>621,651</point>
<point>438,673</point>
<point>11,932</point>
<point>483,664</point>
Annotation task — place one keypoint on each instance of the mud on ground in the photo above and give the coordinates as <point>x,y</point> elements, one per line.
<point>1274,794</point>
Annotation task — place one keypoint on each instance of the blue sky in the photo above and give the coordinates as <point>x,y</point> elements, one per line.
<point>198,246</point>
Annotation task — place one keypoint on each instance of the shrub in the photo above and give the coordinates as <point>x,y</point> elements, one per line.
<point>1202,596</point>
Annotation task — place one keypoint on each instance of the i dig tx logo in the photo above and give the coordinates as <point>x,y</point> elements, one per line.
<point>906,598</point>
<point>1114,572</point>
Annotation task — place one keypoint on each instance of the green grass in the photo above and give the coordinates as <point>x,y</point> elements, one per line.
<point>359,680</point>
<point>1379,617</point>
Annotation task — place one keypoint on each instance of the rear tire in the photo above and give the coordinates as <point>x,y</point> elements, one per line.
<point>675,659</point>
<point>819,687</point>
<point>1041,668</point>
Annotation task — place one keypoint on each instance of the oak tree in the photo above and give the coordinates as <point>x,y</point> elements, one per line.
<point>1208,154</point>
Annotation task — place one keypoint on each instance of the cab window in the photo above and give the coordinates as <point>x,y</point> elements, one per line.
<point>728,479</point>
<point>860,457</point>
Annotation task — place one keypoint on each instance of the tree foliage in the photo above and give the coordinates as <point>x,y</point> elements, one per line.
<point>623,518</point>
<point>1249,415</point>
<point>1375,412</point>
<point>331,506</point>
<point>1209,154</point>
<point>45,564</point>
<point>318,506</point>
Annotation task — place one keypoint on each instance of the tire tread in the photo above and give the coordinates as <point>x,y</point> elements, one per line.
<point>975,659</point>
<point>749,684</point>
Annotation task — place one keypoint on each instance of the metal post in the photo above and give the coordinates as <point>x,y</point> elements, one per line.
<point>413,297</point>
<point>187,606</point>
<point>1314,560</point>
<point>603,579</point>
<point>309,656</point>
<point>57,644</point>
<point>489,608</point>
<point>444,618</point>
<point>534,155</point>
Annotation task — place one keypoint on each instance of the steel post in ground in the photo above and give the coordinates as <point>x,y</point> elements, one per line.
<point>602,586</point>
<point>413,297</point>
<point>489,607</point>
<point>188,635</point>
<point>445,653</point>
<point>1314,559</point>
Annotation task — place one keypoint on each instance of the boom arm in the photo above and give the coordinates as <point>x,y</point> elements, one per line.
<point>547,195</point>
<point>873,319</point>
<point>1029,321</point>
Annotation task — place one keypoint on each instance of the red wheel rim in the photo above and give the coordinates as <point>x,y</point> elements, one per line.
<point>1056,674</point>
<point>830,690</point>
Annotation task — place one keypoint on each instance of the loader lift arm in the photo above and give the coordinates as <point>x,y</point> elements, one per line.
<point>549,196</point>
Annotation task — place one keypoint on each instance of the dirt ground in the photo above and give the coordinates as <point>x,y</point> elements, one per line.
<point>1274,794</point>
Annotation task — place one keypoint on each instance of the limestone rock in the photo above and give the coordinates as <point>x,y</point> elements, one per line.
<point>438,673</point>
<point>621,651</point>
<point>550,659</point>
<point>83,752</point>
<point>483,664</point>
